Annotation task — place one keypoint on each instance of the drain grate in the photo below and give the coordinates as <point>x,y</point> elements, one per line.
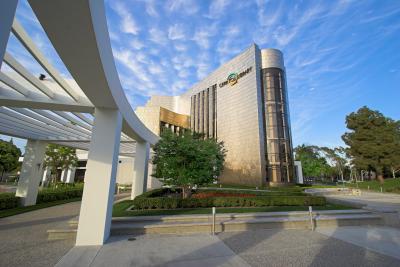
<point>131,239</point>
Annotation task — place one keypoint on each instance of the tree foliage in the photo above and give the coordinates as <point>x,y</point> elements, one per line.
<point>373,140</point>
<point>313,164</point>
<point>187,160</point>
<point>9,155</point>
<point>59,157</point>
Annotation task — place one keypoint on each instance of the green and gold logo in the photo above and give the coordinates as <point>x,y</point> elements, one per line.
<point>234,77</point>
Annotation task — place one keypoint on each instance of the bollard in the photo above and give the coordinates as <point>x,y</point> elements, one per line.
<point>381,190</point>
<point>213,221</point>
<point>368,188</point>
<point>311,217</point>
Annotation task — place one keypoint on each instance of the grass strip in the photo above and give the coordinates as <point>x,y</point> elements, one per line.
<point>19,210</point>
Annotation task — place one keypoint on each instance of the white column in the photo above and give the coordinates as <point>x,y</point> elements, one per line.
<point>70,175</point>
<point>139,183</point>
<point>98,194</point>
<point>46,175</point>
<point>7,13</point>
<point>63,177</point>
<point>31,172</point>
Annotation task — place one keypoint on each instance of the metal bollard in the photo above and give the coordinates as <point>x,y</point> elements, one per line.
<point>213,221</point>
<point>311,217</point>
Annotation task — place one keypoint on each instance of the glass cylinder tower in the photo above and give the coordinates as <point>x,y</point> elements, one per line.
<point>278,141</point>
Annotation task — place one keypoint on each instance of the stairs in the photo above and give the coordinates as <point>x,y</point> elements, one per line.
<point>186,224</point>
<point>183,224</point>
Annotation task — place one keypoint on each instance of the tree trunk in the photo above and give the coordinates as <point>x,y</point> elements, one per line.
<point>186,192</point>
<point>393,172</point>
<point>380,178</point>
<point>2,174</point>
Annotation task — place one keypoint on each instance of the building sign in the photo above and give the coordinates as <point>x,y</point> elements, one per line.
<point>233,78</point>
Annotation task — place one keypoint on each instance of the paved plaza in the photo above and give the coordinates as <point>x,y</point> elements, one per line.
<point>24,243</point>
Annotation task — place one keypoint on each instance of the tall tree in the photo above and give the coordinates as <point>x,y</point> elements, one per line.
<point>187,160</point>
<point>373,140</point>
<point>9,155</point>
<point>313,164</point>
<point>59,157</point>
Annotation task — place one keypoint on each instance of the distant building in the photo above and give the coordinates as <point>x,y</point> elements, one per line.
<point>243,103</point>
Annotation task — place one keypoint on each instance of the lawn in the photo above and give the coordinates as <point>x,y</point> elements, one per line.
<point>18,210</point>
<point>391,185</point>
<point>120,210</point>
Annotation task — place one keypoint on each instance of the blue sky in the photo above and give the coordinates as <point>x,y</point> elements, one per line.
<point>339,55</point>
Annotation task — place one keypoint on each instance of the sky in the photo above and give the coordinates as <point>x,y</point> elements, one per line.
<point>339,55</point>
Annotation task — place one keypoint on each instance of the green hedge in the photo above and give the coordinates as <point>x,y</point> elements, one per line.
<point>49,195</point>
<point>259,201</point>
<point>258,193</point>
<point>8,201</point>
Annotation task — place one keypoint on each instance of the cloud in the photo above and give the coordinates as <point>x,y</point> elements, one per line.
<point>202,35</point>
<point>217,8</point>
<point>136,44</point>
<point>151,8</point>
<point>158,36</point>
<point>176,32</point>
<point>128,24</point>
<point>187,7</point>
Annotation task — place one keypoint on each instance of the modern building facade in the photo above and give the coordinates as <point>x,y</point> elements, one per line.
<point>243,103</point>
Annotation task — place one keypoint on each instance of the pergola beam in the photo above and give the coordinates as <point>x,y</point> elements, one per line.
<point>13,84</point>
<point>46,120</point>
<point>27,42</point>
<point>15,65</point>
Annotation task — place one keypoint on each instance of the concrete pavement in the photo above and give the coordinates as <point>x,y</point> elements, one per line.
<point>301,248</point>
<point>384,240</point>
<point>24,236</point>
<point>155,250</point>
<point>371,200</point>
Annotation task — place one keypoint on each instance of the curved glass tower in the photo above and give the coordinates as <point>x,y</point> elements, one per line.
<point>278,145</point>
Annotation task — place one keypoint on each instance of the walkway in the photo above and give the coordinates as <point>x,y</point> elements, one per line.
<point>373,200</point>
<point>24,237</point>
<point>249,248</point>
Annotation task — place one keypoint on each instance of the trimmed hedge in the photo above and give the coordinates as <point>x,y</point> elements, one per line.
<point>8,201</point>
<point>151,200</point>
<point>49,195</point>
<point>258,193</point>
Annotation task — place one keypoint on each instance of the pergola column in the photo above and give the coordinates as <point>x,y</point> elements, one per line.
<point>98,194</point>
<point>31,172</point>
<point>139,183</point>
<point>7,13</point>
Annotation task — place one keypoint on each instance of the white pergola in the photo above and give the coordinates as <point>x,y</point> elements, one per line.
<point>95,115</point>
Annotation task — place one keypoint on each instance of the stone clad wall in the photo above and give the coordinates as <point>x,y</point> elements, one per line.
<point>239,118</point>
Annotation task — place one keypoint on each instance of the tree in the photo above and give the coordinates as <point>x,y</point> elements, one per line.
<point>59,157</point>
<point>9,155</point>
<point>187,160</point>
<point>313,164</point>
<point>373,140</point>
<point>337,156</point>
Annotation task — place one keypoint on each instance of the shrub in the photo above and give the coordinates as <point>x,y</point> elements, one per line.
<point>147,201</point>
<point>49,195</point>
<point>8,201</point>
